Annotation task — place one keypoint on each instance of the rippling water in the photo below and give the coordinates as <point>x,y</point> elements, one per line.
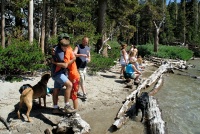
<point>179,100</point>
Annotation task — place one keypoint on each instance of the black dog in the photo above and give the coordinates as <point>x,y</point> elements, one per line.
<point>142,103</point>
<point>23,87</point>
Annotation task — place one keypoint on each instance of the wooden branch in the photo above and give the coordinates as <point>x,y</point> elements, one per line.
<point>119,122</point>
<point>157,86</point>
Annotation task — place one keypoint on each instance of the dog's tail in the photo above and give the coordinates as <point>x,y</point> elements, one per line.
<point>24,95</point>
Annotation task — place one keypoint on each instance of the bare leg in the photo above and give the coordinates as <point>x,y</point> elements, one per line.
<point>75,102</point>
<point>67,95</point>
<point>55,96</point>
<point>122,70</point>
<point>136,76</point>
<point>82,79</point>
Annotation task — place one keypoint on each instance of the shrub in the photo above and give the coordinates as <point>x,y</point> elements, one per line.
<point>172,52</point>
<point>20,57</point>
<point>100,63</point>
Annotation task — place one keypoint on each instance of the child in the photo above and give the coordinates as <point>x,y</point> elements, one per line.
<point>131,71</point>
<point>73,73</point>
<point>133,58</point>
<point>123,59</point>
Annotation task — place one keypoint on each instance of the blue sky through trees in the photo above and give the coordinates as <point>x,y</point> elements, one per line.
<point>167,1</point>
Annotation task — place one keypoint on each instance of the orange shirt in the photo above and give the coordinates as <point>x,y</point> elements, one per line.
<point>73,72</point>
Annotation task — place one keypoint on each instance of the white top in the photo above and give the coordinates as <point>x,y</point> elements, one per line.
<point>122,60</point>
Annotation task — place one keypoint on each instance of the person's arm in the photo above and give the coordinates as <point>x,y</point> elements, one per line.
<point>60,64</point>
<point>78,55</point>
<point>135,69</point>
<point>72,58</point>
<point>89,57</point>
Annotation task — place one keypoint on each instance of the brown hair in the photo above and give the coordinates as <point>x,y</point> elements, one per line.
<point>139,59</point>
<point>132,53</point>
<point>64,42</point>
<point>123,46</point>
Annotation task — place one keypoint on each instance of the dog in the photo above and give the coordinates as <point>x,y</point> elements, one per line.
<point>142,103</point>
<point>28,93</point>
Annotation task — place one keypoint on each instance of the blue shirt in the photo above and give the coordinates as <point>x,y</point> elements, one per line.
<point>129,69</point>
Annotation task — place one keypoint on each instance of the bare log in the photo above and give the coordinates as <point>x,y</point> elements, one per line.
<point>121,121</point>
<point>157,86</point>
<point>155,123</point>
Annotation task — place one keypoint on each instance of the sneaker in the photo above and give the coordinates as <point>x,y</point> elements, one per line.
<point>84,96</point>
<point>69,109</point>
<point>57,111</point>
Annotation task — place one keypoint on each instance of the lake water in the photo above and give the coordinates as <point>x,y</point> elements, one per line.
<point>179,100</point>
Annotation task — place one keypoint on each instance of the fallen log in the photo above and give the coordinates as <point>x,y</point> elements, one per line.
<point>131,97</point>
<point>157,86</point>
<point>121,121</point>
<point>155,123</point>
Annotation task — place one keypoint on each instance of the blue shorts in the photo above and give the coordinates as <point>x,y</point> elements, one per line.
<point>59,80</point>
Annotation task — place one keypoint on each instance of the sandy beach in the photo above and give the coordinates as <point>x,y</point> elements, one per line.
<point>106,93</point>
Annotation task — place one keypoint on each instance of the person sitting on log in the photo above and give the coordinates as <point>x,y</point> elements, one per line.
<point>140,61</point>
<point>136,64</point>
<point>131,72</point>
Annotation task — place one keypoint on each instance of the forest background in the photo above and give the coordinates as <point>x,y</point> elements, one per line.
<point>29,28</point>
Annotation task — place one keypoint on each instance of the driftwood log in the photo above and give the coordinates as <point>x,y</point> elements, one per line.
<point>157,86</point>
<point>74,124</point>
<point>166,65</point>
<point>146,83</point>
<point>155,123</point>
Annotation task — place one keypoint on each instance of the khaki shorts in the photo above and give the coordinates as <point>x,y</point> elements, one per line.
<point>82,72</point>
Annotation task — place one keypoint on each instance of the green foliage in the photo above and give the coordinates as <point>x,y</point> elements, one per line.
<point>100,63</point>
<point>172,52</point>
<point>20,57</point>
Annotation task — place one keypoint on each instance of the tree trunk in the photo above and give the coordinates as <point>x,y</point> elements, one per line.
<point>100,23</point>
<point>30,21</point>
<point>2,24</point>
<point>43,26</point>
<point>47,27</point>
<point>156,40</point>
<point>54,30</point>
